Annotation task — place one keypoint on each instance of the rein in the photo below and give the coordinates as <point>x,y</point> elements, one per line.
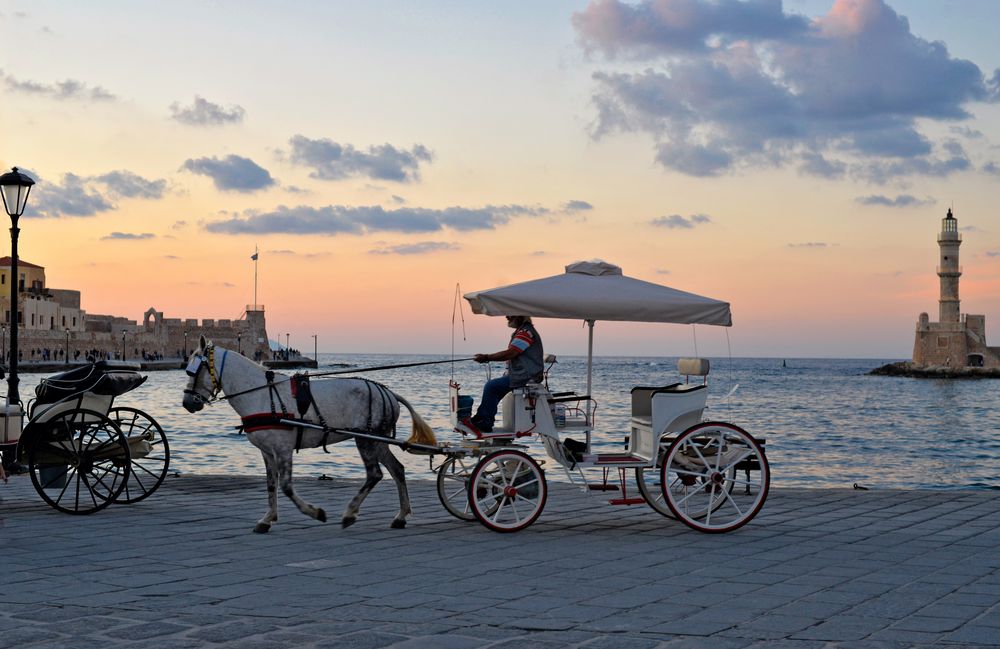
<point>217,385</point>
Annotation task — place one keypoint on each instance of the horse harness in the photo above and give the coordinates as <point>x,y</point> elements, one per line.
<point>301,392</point>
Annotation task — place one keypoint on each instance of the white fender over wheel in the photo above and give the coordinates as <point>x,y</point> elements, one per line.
<point>703,481</point>
<point>507,491</point>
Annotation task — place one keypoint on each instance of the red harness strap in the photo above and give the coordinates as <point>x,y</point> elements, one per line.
<point>264,420</point>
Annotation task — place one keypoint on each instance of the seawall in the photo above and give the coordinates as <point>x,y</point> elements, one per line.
<point>908,369</point>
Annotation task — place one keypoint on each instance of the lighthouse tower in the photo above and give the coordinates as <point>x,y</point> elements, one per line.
<point>948,270</point>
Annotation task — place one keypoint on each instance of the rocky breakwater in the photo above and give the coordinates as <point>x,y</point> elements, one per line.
<point>906,368</point>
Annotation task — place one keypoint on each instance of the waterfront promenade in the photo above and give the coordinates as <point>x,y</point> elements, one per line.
<point>817,568</point>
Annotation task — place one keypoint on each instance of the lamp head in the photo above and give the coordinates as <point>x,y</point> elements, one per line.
<point>14,188</point>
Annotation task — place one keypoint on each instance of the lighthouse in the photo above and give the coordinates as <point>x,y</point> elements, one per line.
<point>948,270</point>
<point>956,341</point>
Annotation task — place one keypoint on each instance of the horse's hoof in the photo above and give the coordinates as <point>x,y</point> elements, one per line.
<point>321,515</point>
<point>261,528</point>
<point>397,524</point>
<point>347,522</point>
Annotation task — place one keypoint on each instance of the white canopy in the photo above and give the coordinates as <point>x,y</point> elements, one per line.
<point>597,290</point>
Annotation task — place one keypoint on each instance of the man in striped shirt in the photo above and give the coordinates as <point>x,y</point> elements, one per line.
<point>525,363</point>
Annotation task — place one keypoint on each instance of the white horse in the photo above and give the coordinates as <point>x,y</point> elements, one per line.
<point>262,398</point>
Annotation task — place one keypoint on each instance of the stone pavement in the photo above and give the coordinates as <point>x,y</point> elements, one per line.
<point>817,568</point>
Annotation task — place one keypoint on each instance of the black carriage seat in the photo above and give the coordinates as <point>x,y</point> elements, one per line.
<point>98,378</point>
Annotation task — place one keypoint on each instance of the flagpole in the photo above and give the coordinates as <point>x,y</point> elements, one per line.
<point>255,255</point>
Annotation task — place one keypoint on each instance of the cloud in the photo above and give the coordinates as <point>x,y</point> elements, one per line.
<point>676,221</point>
<point>342,219</point>
<point>126,184</point>
<point>301,255</point>
<point>991,168</point>
<point>128,236</point>
<point>398,200</point>
<point>727,85</point>
<point>903,200</point>
<point>206,113</point>
<point>70,198</point>
<point>811,244</point>
<point>421,248</point>
<point>662,271</point>
<point>79,196</point>
<point>576,206</point>
<point>70,89</point>
<point>330,160</point>
<point>232,173</point>
<point>83,196</point>
<point>993,253</point>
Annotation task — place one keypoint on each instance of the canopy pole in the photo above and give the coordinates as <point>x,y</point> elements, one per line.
<point>590,353</point>
<point>590,372</point>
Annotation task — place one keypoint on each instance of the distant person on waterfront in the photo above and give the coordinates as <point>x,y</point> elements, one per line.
<point>525,363</point>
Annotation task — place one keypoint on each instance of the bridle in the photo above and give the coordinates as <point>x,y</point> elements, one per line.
<point>206,362</point>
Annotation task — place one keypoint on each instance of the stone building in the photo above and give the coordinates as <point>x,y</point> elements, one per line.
<point>52,322</point>
<point>957,340</point>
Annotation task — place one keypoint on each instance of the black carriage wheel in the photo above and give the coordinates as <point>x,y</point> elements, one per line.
<point>149,451</point>
<point>78,460</point>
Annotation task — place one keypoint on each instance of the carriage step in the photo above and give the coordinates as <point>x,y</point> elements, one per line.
<point>748,465</point>
<point>637,500</point>
<point>604,487</point>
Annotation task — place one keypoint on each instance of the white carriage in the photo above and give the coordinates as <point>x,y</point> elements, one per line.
<point>711,475</point>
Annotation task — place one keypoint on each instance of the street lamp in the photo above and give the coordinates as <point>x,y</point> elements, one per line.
<point>315,354</point>
<point>239,342</point>
<point>67,345</point>
<point>3,337</point>
<point>288,354</point>
<point>123,345</point>
<point>185,344</point>
<point>15,187</point>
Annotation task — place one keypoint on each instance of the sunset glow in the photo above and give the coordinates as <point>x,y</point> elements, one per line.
<point>793,159</point>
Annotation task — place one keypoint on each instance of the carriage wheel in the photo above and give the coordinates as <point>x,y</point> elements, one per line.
<point>453,487</point>
<point>507,491</point>
<point>78,461</point>
<point>648,481</point>
<point>699,481</point>
<point>149,451</point>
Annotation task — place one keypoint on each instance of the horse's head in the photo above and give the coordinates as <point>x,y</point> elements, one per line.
<point>203,384</point>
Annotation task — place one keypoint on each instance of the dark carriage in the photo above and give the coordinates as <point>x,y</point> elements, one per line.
<point>83,452</point>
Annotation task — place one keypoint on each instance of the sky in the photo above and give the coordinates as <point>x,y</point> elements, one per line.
<point>792,158</point>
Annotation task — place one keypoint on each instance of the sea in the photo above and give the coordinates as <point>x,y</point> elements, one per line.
<point>825,422</point>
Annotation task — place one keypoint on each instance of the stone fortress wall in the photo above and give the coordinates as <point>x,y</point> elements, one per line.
<point>169,337</point>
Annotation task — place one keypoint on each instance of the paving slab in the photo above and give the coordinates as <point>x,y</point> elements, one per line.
<point>182,569</point>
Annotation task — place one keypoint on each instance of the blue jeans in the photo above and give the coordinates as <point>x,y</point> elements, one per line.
<point>493,392</point>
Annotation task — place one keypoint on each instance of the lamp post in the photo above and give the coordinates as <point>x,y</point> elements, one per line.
<point>315,352</point>
<point>185,344</point>
<point>15,187</point>
<point>123,345</point>
<point>288,354</point>
<point>3,337</point>
<point>239,342</point>
<point>67,345</point>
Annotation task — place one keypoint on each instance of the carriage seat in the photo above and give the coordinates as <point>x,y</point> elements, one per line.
<point>672,407</point>
<point>99,378</point>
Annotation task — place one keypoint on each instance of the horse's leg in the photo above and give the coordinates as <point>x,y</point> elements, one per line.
<point>264,524</point>
<point>283,464</point>
<point>398,473</point>
<point>369,455</point>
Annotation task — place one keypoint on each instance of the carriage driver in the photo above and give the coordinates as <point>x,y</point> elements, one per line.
<point>525,363</point>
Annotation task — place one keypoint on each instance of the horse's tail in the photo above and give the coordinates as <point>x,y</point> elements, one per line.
<point>422,433</point>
